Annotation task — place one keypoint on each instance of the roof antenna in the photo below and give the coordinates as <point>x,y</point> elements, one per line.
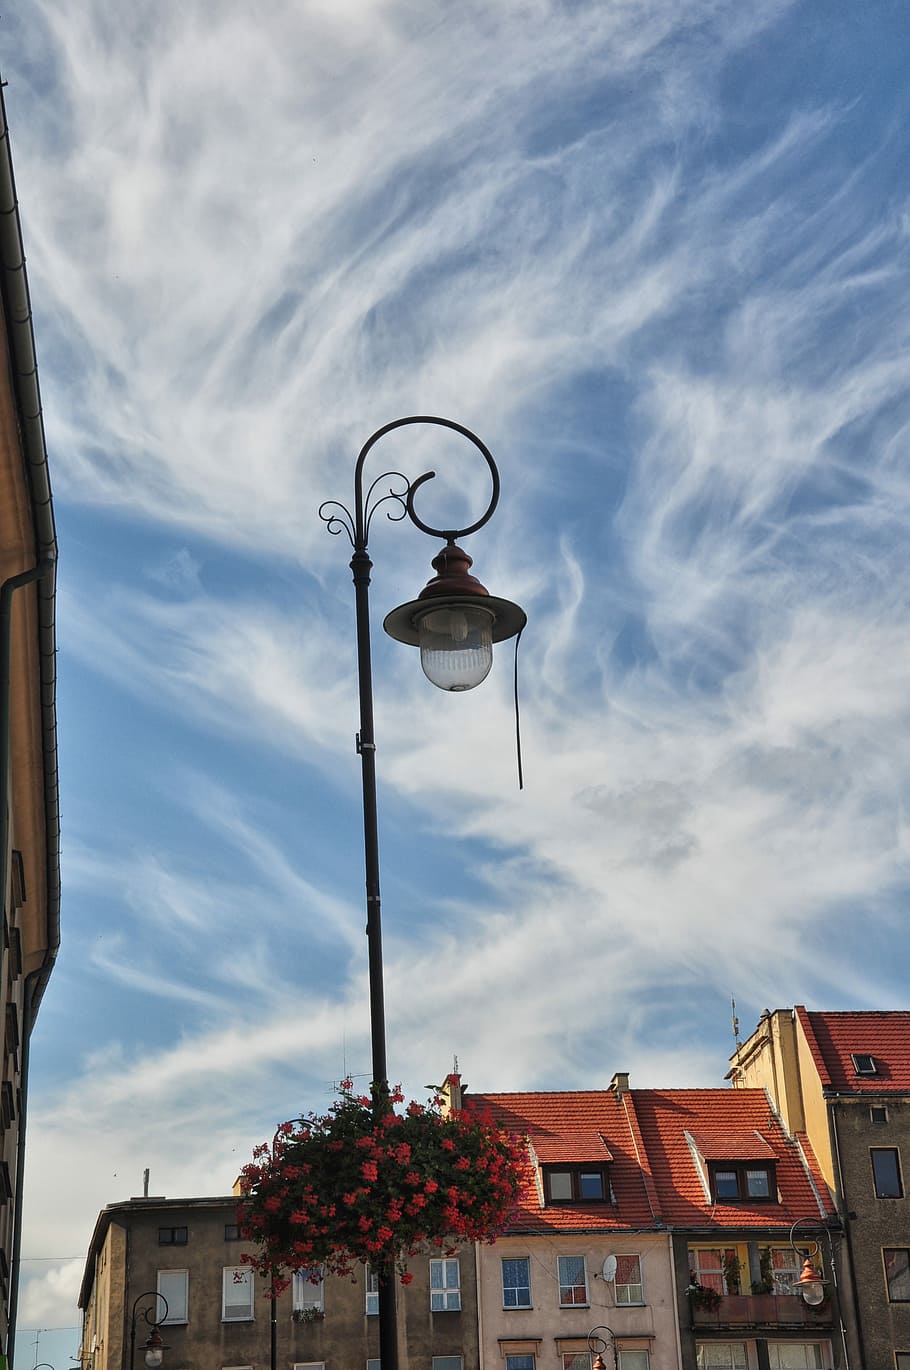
<point>145,1183</point>
<point>735,1024</point>
<point>454,1065</point>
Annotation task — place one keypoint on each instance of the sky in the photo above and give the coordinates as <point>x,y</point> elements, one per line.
<point>657,257</point>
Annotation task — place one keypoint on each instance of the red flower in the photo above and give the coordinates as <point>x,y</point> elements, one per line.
<point>406,1277</point>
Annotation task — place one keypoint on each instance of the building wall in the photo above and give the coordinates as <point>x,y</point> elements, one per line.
<point>130,1258</point>
<point>546,1329</point>
<point>875,1223</point>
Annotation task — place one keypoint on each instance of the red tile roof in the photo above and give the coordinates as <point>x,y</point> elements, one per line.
<point>723,1121</point>
<point>547,1119</point>
<point>653,1136</point>
<point>833,1038</point>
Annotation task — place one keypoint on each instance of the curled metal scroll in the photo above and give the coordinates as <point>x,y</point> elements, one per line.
<point>339,519</point>
<point>596,1344</point>
<point>358,525</point>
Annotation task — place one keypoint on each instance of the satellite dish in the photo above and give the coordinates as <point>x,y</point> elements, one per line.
<point>609,1268</point>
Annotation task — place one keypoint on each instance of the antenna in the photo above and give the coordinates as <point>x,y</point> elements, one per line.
<point>145,1183</point>
<point>454,1065</point>
<point>735,1023</point>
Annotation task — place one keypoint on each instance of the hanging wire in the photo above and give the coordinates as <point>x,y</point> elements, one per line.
<point>517,717</point>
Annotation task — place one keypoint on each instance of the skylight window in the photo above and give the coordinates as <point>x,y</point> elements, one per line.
<point>863,1063</point>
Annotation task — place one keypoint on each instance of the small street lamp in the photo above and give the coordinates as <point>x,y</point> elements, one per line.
<point>597,1345</point>
<point>454,621</point>
<point>153,1345</point>
<point>810,1284</point>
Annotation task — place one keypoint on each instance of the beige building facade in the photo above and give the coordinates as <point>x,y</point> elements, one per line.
<point>178,1263</point>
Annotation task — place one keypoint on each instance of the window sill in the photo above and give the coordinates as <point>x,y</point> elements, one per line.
<point>232,1320</point>
<point>518,1308</point>
<point>567,1307</point>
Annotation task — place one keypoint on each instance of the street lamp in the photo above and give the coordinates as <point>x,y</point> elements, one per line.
<point>153,1345</point>
<point>810,1284</point>
<point>454,621</point>
<point>597,1345</point>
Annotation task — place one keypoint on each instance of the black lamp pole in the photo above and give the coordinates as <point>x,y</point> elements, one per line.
<point>154,1346</point>
<point>454,621</point>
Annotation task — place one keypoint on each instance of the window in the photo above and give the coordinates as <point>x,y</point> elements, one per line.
<point>576,1360</point>
<point>172,1236</point>
<point>886,1172</point>
<point>627,1284</point>
<point>174,1286</point>
<point>448,1363</point>
<point>516,1283</point>
<point>307,1290</point>
<point>519,1363</point>
<point>897,1273</point>
<point>732,1182</point>
<point>309,1365</point>
<point>863,1063</point>
<point>721,1355</point>
<point>374,1364</point>
<point>634,1360</point>
<point>231,1232</point>
<point>786,1265</point>
<point>878,1114</point>
<point>445,1285</point>
<point>795,1355</point>
<point>716,1268</point>
<point>372,1291</point>
<point>575,1184</point>
<point>236,1293</point>
<point>902,1360</point>
<point>573,1283</point>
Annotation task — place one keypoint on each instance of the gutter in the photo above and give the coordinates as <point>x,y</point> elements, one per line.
<point>21,338</point>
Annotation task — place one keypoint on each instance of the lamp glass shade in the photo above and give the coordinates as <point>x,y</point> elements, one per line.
<point>813,1292</point>
<point>153,1357</point>
<point>456,645</point>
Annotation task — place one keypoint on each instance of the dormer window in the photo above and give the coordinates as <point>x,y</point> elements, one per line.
<point>742,1182</point>
<point>863,1063</point>
<point>575,1184</point>
<point>573,1167</point>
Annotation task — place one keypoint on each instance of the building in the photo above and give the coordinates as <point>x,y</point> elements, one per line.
<point>843,1079</point>
<point>179,1261</point>
<point>744,1202</point>
<point>29,817</point>
<point>666,1218</point>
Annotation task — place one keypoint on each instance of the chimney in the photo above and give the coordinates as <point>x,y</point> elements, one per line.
<point>619,1085</point>
<point>452,1093</point>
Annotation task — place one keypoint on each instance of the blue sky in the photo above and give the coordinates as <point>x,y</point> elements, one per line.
<point>657,257</point>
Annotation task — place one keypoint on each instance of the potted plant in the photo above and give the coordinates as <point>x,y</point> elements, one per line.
<point>702,1295</point>
<point>372,1185</point>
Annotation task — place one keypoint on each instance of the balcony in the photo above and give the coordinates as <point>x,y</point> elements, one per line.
<point>762,1310</point>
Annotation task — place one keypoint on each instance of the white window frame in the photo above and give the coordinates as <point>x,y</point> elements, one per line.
<point>639,1284</point>
<point>247,1273</point>
<point>371,1302</point>
<point>822,1361</point>
<point>502,1273</point>
<point>305,1294</point>
<point>570,1288</point>
<point>624,1364</point>
<point>702,1345</point>
<point>171,1320</point>
<point>785,1277</point>
<point>445,1297</point>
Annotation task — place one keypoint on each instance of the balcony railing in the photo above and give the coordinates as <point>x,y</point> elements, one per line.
<point>761,1310</point>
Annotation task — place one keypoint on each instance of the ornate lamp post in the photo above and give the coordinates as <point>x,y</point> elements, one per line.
<point>154,1346</point>
<point>597,1345</point>
<point>455,621</point>
<point>810,1284</point>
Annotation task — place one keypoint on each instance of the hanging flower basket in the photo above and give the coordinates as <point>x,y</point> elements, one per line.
<point>346,1187</point>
